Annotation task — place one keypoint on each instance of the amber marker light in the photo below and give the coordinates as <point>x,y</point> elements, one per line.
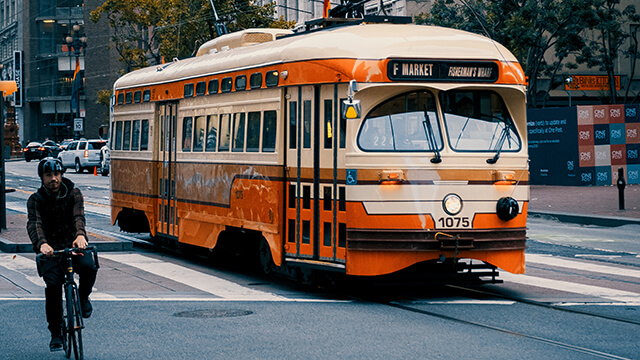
<point>390,177</point>
<point>504,178</point>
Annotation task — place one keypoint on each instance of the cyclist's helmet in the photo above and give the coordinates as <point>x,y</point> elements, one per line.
<point>50,165</point>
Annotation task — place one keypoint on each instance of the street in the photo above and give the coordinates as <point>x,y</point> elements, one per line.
<point>579,299</point>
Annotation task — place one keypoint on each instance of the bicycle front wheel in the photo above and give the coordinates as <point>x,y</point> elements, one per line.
<point>69,320</point>
<point>78,350</point>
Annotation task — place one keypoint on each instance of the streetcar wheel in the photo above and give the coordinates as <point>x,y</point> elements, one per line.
<point>266,261</point>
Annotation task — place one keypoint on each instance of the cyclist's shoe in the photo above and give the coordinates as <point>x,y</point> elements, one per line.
<point>56,343</point>
<point>87,309</point>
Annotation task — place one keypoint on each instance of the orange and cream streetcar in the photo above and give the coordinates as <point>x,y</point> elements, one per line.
<point>365,148</point>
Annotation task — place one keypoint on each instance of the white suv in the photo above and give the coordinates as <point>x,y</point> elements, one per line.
<point>82,154</point>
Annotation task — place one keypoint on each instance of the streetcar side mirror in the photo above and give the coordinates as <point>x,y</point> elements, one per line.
<point>350,108</point>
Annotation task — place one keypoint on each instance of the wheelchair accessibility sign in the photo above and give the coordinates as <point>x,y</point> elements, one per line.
<point>352,176</point>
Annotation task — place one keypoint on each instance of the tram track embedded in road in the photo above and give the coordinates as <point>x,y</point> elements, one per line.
<point>544,305</point>
<point>555,343</point>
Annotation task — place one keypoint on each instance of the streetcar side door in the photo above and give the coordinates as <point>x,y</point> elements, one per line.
<point>314,216</point>
<point>167,134</point>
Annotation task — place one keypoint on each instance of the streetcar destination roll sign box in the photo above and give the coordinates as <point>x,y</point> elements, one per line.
<point>442,70</point>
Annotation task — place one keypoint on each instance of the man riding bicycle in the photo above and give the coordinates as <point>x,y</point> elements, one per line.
<point>56,221</point>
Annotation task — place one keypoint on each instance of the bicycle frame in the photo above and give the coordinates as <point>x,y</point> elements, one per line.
<point>72,323</point>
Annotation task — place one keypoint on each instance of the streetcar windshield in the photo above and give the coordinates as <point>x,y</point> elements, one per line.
<point>478,120</point>
<point>404,123</point>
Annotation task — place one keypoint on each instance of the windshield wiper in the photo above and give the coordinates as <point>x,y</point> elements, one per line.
<point>426,124</point>
<point>503,136</point>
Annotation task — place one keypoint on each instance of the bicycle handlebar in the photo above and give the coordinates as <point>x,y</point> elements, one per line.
<point>67,250</point>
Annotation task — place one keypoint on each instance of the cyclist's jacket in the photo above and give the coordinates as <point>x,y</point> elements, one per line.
<point>56,219</point>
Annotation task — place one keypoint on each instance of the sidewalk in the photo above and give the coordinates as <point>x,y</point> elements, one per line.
<point>595,205</point>
<point>14,239</point>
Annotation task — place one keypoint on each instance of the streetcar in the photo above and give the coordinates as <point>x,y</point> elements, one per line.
<point>367,148</point>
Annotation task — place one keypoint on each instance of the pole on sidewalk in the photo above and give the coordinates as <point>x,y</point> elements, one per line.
<point>621,185</point>
<point>6,88</point>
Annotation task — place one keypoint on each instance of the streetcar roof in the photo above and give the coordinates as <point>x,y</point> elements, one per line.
<point>363,41</point>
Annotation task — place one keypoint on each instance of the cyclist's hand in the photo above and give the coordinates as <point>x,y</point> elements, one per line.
<point>80,242</point>
<point>46,249</point>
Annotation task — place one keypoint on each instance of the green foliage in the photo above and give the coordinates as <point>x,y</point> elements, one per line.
<point>535,29</point>
<point>147,31</point>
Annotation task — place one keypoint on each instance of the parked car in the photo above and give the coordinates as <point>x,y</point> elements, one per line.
<point>65,143</point>
<point>105,160</point>
<point>82,154</point>
<point>37,151</point>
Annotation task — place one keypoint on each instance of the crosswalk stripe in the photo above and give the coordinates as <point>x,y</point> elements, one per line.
<point>204,282</point>
<point>589,290</point>
<point>579,265</point>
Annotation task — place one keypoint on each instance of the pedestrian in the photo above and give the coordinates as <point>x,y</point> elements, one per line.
<point>56,221</point>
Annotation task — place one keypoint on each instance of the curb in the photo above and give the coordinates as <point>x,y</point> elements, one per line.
<point>8,246</point>
<point>607,221</point>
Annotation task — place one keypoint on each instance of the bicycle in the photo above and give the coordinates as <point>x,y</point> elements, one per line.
<point>72,322</point>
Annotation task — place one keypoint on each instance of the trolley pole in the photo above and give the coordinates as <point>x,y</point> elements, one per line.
<point>621,185</point>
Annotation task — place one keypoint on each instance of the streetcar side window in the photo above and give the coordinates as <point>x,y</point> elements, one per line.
<point>407,122</point>
<point>226,84</point>
<point>135,135</point>
<point>306,124</point>
<point>328,123</point>
<point>343,128</point>
<point>213,86</point>
<point>126,138</point>
<point>188,90</point>
<point>225,123</point>
<point>118,135</point>
<point>187,130</point>
<point>241,82</point>
<point>293,124</point>
<point>137,96</point>
<point>212,132</point>
<point>238,132</point>
<point>253,131</point>
<point>146,95</point>
<point>120,99</point>
<point>478,120</point>
<point>272,78</point>
<point>198,134</point>
<point>201,88</point>
<point>128,98</point>
<point>255,81</point>
<point>144,135</point>
<point>269,131</point>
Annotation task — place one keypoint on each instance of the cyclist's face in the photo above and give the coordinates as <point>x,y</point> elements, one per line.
<point>52,180</point>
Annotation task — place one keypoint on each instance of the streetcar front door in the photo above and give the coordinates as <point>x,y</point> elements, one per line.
<point>315,213</point>
<point>166,130</point>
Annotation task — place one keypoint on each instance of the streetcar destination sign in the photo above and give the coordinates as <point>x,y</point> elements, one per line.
<point>422,70</point>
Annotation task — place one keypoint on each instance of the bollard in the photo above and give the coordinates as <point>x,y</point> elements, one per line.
<point>621,185</point>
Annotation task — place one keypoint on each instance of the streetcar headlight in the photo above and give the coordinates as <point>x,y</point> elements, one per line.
<point>452,204</point>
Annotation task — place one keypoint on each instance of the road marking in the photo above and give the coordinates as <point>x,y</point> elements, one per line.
<point>201,281</point>
<point>588,290</point>
<point>22,265</point>
<point>580,265</point>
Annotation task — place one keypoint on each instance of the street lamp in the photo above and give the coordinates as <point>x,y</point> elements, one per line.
<point>77,43</point>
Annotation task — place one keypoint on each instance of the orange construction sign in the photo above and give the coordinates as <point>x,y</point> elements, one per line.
<point>591,82</point>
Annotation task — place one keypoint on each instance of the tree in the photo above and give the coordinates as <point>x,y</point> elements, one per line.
<point>530,29</point>
<point>147,31</point>
<point>602,51</point>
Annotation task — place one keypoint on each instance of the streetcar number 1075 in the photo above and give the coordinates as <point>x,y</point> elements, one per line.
<point>454,222</point>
